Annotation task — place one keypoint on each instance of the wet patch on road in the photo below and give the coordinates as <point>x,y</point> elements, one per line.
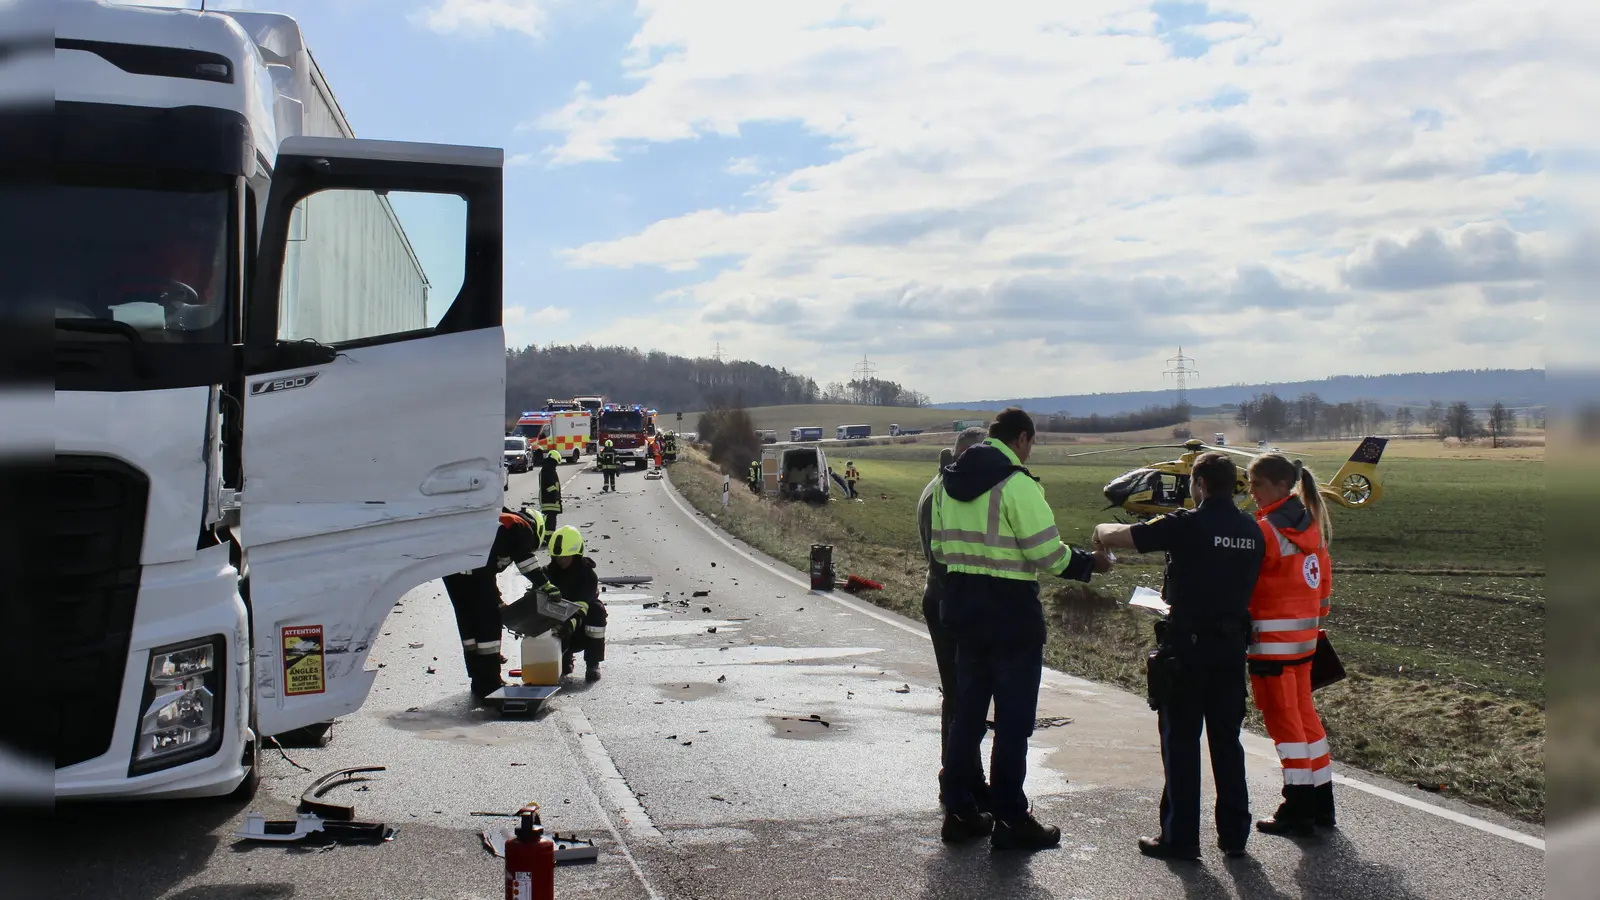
<point>478,727</point>
<point>688,690</point>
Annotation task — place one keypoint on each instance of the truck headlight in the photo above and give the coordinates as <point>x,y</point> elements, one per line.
<point>181,714</point>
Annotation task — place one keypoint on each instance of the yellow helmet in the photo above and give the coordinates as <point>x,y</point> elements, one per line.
<point>554,457</point>
<point>608,443</point>
<point>567,541</point>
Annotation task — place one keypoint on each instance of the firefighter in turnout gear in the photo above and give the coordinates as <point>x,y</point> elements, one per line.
<point>570,575</point>
<point>1286,612</point>
<point>993,530</point>
<point>671,448</point>
<point>752,477</point>
<point>550,490</point>
<point>608,464</point>
<point>476,598</point>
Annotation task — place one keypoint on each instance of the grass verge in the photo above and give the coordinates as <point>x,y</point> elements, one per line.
<point>1447,672</point>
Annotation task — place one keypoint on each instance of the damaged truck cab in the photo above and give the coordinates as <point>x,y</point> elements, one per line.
<point>239,311</point>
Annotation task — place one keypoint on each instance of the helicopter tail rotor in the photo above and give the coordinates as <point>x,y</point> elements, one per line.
<point>1356,485</point>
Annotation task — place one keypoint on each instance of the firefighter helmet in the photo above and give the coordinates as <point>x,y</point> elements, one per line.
<point>567,541</point>
<point>608,443</point>
<point>553,456</point>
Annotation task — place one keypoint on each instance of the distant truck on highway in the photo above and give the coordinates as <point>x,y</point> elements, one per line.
<point>240,321</point>
<point>851,432</point>
<point>806,433</point>
<point>897,431</point>
<point>964,424</point>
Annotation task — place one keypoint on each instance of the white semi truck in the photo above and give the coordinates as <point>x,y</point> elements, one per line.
<point>240,318</point>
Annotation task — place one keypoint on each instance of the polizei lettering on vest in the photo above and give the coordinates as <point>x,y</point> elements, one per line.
<point>1233,543</point>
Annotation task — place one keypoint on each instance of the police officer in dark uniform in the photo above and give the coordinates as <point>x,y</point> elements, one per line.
<point>1214,554</point>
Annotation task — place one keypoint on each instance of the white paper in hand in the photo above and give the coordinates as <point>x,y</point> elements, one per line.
<point>1143,596</point>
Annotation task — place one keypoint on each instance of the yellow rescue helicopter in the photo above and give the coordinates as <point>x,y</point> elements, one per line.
<point>1162,487</point>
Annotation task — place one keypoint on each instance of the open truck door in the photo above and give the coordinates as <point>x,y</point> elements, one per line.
<point>771,468</point>
<point>337,518</point>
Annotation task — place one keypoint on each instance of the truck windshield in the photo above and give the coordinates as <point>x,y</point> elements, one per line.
<point>153,257</point>
<point>617,422</point>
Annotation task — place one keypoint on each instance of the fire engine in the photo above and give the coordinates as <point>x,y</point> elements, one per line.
<point>564,431</point>
<point>624,427</point>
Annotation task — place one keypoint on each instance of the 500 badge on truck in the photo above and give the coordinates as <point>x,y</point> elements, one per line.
<point>274,385</point>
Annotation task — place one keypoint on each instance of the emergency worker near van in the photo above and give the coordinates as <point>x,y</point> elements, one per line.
<point>995,533</point>
<point>1214,556</point>
<point>475,596</point>
<point>1286,612</point>
<point>752,476</point>
<point>851,476</point>
<point>550,490</point>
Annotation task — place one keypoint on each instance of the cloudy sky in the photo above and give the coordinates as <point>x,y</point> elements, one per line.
<point>998,199</point>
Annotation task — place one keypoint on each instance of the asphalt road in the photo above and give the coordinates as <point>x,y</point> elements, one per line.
<point>700,766</point>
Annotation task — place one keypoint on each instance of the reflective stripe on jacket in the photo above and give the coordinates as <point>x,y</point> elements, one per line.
<point>1291,595</point>
<point>1008,531</point>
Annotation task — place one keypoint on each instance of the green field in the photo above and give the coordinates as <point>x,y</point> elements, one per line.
<point>1438,603</point>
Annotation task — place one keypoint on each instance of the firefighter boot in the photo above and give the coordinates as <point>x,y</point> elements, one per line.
<point>1024,834</point>
<point>591,672</point>
<point>1295,814</point>
<point>1324,808</point>
<point>484,670</point>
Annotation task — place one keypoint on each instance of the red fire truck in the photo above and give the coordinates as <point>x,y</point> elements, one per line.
<point>624,427</point>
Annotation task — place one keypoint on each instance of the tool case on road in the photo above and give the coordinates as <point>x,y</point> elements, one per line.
<point>536,613</point>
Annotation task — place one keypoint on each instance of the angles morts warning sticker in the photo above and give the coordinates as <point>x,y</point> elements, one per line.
<point>302,660</point>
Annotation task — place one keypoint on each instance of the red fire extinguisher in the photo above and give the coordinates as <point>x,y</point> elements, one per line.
<point>530,859</point>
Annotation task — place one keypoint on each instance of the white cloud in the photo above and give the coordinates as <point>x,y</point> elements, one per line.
<point>480,16</point>
<point>743,165</point>
<point>1066,141</point>
<point>524,326</point>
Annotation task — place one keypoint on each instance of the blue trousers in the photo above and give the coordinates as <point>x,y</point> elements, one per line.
<point>1008,673</point>
<point>1210,694</point>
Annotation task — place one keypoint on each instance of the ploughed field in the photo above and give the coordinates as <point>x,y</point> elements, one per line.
<point>1438,597</point>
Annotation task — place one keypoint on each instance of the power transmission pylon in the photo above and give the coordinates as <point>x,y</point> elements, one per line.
<point>864,375</point>
<point>717,356</point>
<point>1181,368</point>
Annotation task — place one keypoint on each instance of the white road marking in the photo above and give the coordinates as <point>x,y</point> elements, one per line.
<point>622,845</point>
<point>1064,679</point>
<point>612,784</point>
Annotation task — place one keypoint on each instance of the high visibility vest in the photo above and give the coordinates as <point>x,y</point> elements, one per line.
<point>1292,593</point>
<point>1007,532</point>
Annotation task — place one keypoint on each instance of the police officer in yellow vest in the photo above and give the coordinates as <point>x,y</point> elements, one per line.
<point>993,530</point>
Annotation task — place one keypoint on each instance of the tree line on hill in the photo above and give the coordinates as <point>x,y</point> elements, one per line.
<point>1307,416</point>
<point>1094,423</point>
<point>668,382</point>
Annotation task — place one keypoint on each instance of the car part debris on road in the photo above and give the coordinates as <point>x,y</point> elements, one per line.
<point>311,798</point>
<point>311,828</point>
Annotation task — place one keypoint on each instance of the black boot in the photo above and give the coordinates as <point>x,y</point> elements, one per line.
<point>1325,817</point>
<point>1160,849</point>
<point>591,672</point>
<point>1024,834</point>
<point>1295,814</point>
<point>961,827</point>
<point>485,672</point>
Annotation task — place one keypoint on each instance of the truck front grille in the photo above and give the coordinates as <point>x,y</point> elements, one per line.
<point>97,532</point>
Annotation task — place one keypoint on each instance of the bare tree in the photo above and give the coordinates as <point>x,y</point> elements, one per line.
<point>1461,423</point>
<point>1502,423</point>
<point>1433,416</point>
<point>1404,419</point>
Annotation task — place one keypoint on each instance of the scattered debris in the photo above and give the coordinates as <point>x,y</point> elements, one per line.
<point>903,689</point>
<point>721,799</point>
<point>854,584</point>
<point>713,565</point>
<point>702,593</point>
<point>705,609</point>
<point>431,671</point>
<point>311,798</point>
<point>722,678</point>
<point>1432,787</point>
<point>711,630</point>
<point>415,645</point>
<point>1052,722</point>
<point>672,737</point>
<point>686,743</point>
<point>257,827</point>
<point>569,848</point>
<point>652,605</point>
<point>286,758</point>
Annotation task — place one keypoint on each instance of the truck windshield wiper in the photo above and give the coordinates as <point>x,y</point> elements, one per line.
<point>141,359</point>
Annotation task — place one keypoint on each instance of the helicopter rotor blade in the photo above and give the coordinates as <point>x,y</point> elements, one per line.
<point>1126,450</point>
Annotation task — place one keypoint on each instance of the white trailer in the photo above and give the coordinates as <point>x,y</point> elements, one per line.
<point>239,315</point>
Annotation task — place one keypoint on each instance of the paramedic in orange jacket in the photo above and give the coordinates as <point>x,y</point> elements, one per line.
<point>1286,612</point>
